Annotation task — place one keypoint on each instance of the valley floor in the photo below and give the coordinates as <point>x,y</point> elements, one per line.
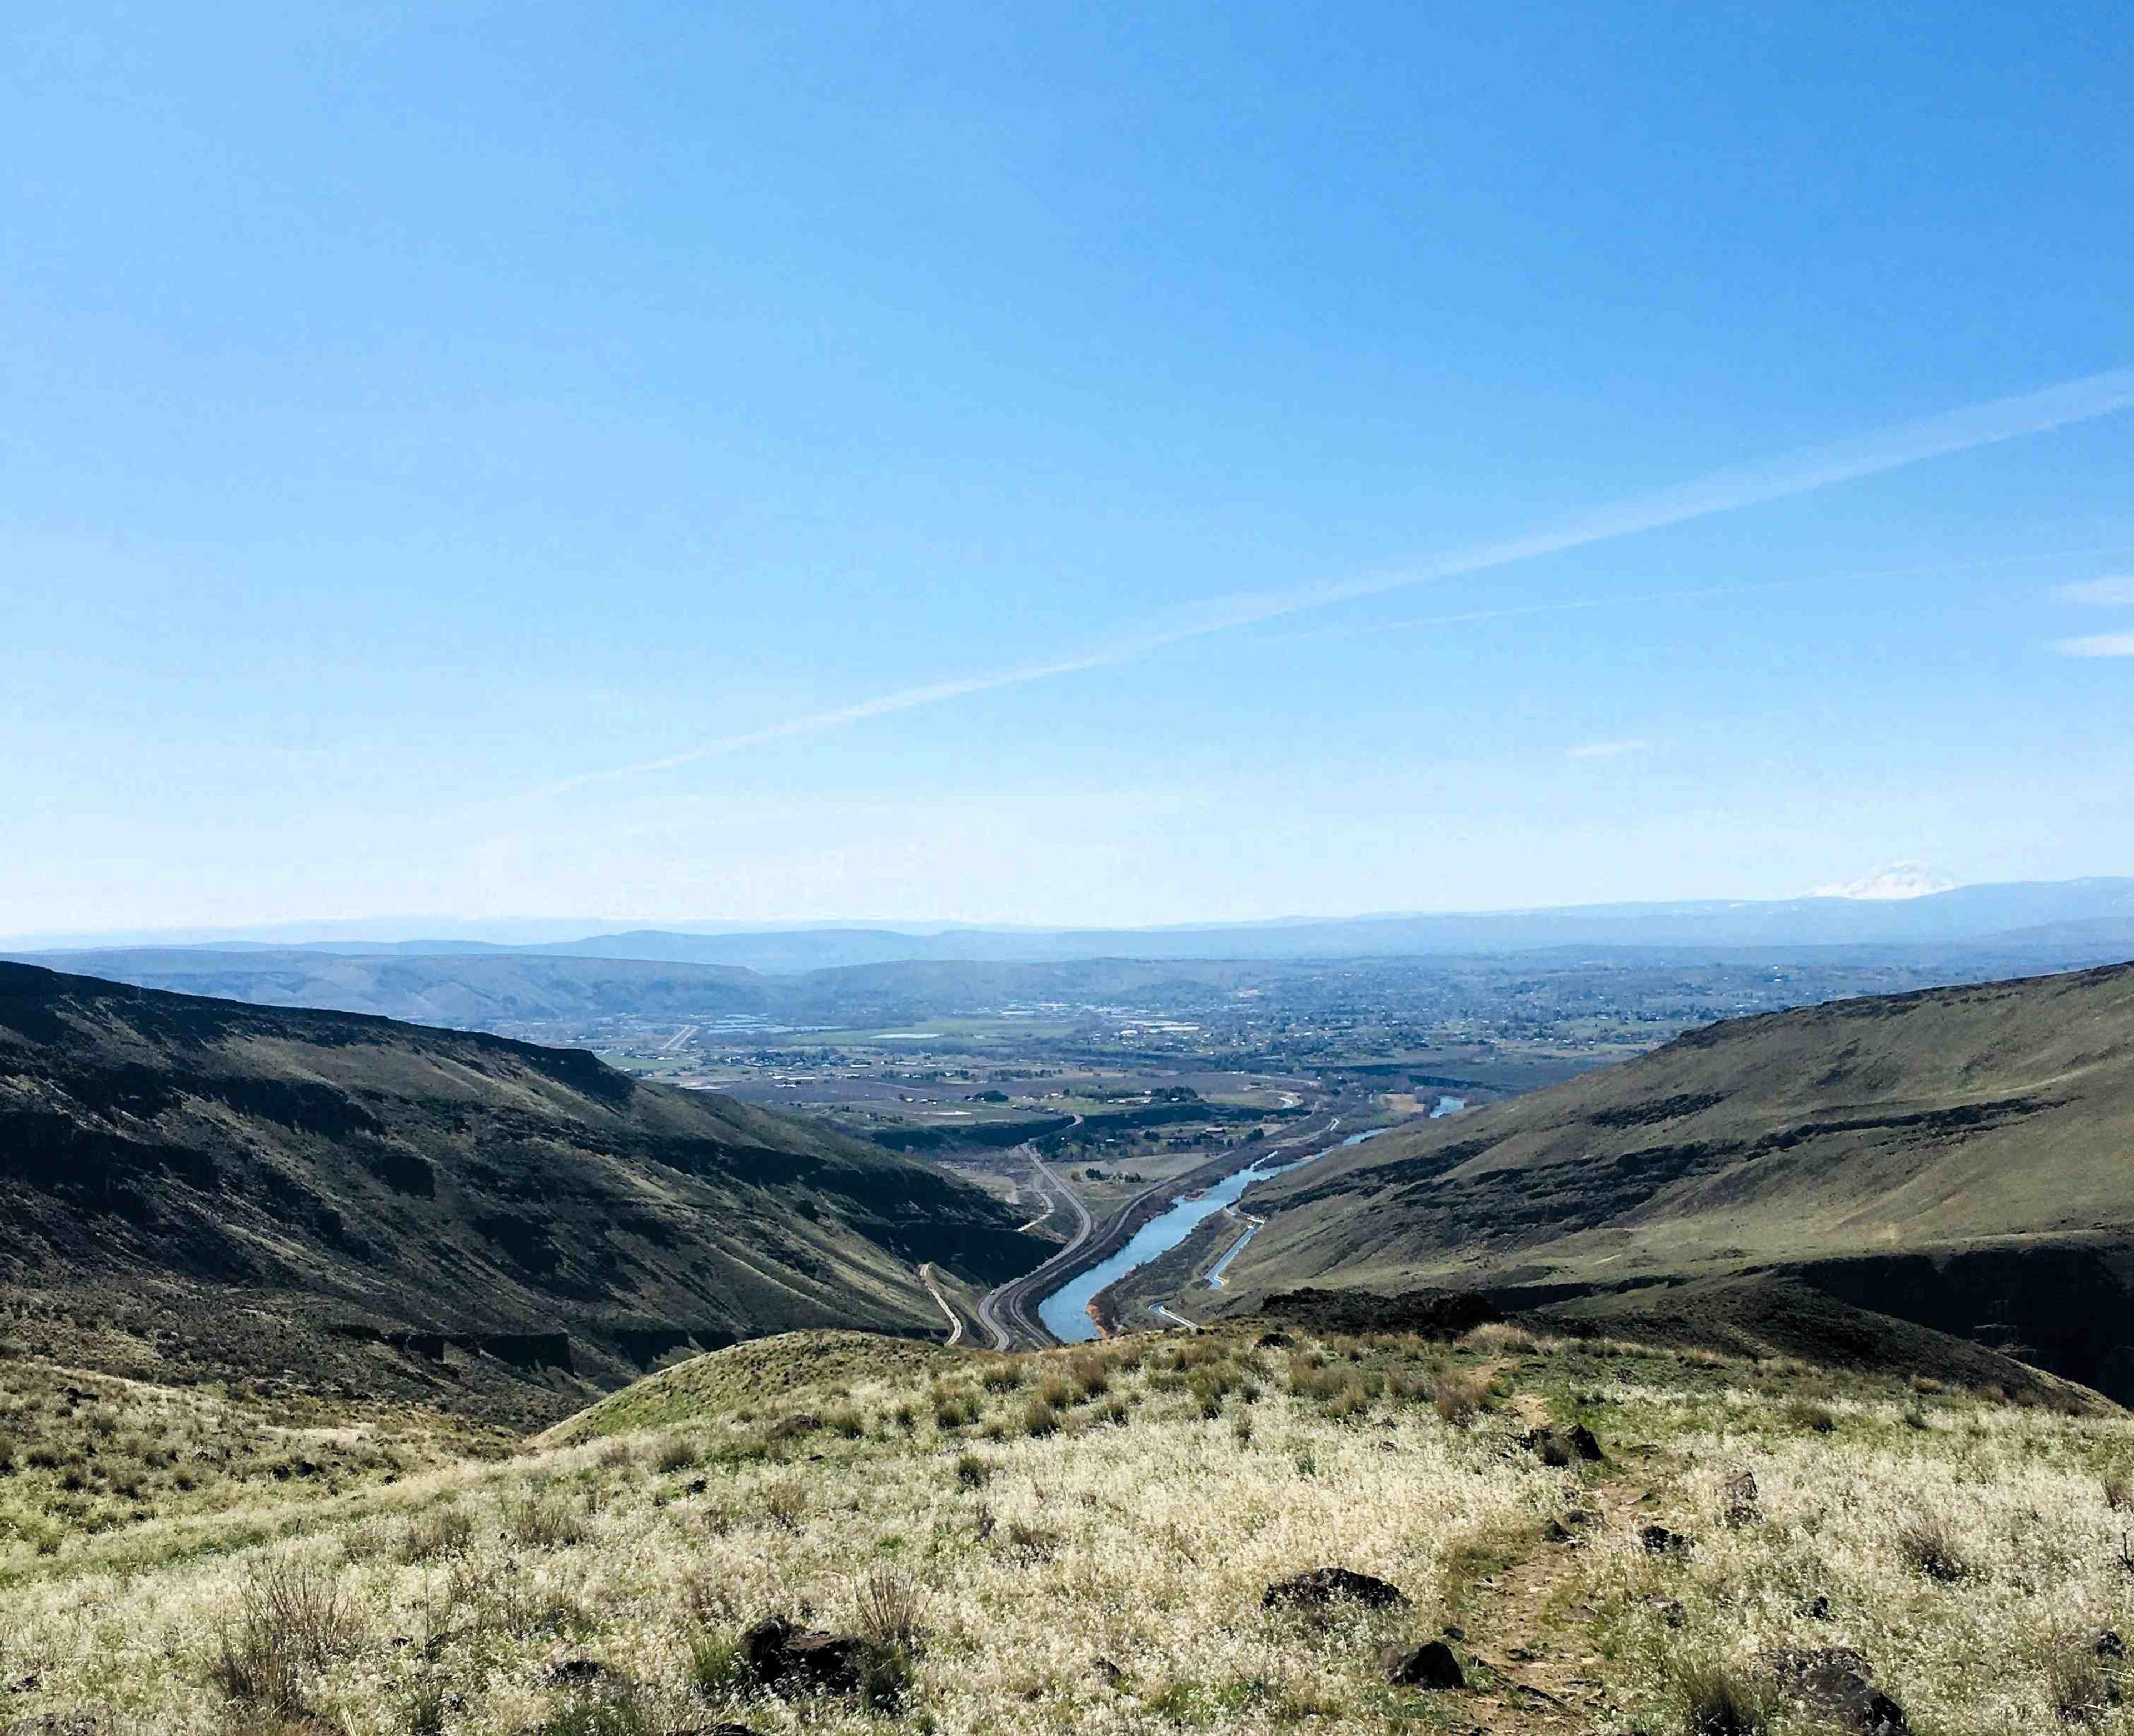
<point>1085,1539</point>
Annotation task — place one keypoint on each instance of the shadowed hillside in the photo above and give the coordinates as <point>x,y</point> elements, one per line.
<point>1962,1157</point>
<point>404,1209</point>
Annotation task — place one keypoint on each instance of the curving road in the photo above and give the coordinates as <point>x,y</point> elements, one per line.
<point>1005,1311</point>
<point>941,1302</point>
<point>1009,1313</point>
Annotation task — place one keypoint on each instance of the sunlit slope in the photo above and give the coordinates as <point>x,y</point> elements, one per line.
<point>1931,1120</point>
<point>162,1150</point>
<point>1133,1538</point>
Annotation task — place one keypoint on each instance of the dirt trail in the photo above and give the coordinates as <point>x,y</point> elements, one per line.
<point>1540,1676</point>
<point>933,1289</point>
<point>1543,1677</point>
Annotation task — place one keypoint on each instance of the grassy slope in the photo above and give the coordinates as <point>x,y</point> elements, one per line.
<point>159,1153</point>
<point>85,1455</point>
<point>1168,1484</point>
<point>1920,1121</point>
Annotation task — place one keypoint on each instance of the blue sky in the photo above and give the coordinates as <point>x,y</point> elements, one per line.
<point>429,429</point>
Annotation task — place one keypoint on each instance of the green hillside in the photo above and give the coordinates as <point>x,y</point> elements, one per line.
<point>1962,1157</point>
<point>344,1202</point>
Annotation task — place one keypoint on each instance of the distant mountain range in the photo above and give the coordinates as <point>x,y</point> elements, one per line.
<point>2091,917</point>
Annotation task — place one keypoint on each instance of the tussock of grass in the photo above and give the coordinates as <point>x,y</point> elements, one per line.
<point>1720,1699</point>
<point>1811,1415</point>
<point>1929,1546</point>
<point>292,1619</point>
<point>1460,1396</point>
<point>542,1519</point>
<point>442,1531</point>
<point>675,1452</point>
<point>891,1609</point>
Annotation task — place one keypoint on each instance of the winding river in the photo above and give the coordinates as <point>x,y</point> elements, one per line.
<point>1065,1312</point>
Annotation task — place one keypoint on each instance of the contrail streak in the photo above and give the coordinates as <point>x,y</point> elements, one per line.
<point>1507,610</point>
<point>1797,473</point>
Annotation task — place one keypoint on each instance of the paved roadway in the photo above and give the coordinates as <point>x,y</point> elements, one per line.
<point>1009,1312</point>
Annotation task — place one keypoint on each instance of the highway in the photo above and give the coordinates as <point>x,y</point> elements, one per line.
<point>1006,1310</point>
<point>1009,1313</point>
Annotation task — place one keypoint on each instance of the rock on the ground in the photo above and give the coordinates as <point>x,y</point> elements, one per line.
<point>1659,1541</point>
<point>1561,1446</point>
<point>1431,1665</point>
<point>790,1660</point>
<point>1837,1684</point>
<point>1330,1584</point>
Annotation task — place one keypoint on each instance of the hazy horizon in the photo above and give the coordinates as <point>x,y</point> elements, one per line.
<point>1913,881</point>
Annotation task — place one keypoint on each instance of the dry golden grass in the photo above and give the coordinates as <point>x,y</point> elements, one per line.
<point>991,1567</point>
<point>82,1453</point>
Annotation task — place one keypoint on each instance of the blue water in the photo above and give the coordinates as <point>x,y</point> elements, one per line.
<point>1065,1312</point>
<point>1447,1105</point>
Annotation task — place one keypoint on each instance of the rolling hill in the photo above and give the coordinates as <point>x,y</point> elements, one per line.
<point>198,1183</point>
<point>1961,1158</point>
<point>458,988</point>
